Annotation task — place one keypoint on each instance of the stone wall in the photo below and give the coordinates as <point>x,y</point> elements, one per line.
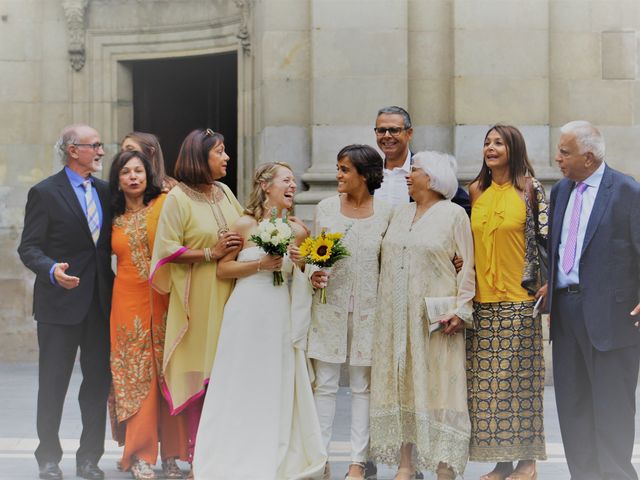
<point>312,74</point>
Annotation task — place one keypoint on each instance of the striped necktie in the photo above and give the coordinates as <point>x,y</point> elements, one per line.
<point>92,211</point>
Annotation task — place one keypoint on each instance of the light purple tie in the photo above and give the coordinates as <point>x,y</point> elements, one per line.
<point>572,237</point>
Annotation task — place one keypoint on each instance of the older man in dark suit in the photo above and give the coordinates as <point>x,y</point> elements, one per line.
<point>593,296</point>
<point>66,242</point>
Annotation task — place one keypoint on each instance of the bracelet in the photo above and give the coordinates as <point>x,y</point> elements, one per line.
<point>207,254</point>
<point>259,260</point>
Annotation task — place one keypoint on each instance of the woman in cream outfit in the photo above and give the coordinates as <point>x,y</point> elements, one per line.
<point>418,380</point>
<point>342,329</point>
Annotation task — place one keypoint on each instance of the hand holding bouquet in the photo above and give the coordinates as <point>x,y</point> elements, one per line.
<point>323,250</point>
<point>274,236</point>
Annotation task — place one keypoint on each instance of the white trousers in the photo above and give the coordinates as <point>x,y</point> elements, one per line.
<point>324,393</point>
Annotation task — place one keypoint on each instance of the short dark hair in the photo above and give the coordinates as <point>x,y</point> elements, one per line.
<point>519,165</point>
<point>117,197</point>
<point>395,110</point>
<point>192,166</point>
<point>367,162</point>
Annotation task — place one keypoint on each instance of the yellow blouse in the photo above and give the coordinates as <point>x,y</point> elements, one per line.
<point>497,221</point>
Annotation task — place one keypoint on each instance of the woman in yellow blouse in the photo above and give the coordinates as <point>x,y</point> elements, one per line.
<point>505,364</point>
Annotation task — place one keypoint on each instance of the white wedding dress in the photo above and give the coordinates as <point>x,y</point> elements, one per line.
<point>259,420</point>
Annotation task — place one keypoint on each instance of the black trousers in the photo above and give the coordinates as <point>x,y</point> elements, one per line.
<point>58,347</point>
<point>595,396</point>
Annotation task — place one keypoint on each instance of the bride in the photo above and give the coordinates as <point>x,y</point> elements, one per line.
<point>258,420</point>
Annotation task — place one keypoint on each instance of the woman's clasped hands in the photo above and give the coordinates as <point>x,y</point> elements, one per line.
<point>227,242</point>
<point>452,325</point>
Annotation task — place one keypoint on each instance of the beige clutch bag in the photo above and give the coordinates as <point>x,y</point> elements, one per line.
<point>438,309</point>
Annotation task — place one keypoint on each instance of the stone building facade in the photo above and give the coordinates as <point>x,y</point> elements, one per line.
<point>306,78</point>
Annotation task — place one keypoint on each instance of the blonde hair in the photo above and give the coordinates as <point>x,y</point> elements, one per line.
<point>263,175</point>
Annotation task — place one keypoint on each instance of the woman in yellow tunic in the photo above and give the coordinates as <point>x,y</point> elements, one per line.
<point>193,233</point>
<point>140,416</point>
<point>504,353</point>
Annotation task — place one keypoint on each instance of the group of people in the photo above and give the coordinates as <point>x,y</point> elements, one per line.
<point>435,313</point>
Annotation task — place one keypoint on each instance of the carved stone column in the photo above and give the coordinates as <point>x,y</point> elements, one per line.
<point>243,30</point>
<point>74,12</point>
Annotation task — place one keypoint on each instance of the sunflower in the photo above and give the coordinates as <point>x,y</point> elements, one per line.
<point>306,247</point>
<point>321,251</point>
<point>334,236</point>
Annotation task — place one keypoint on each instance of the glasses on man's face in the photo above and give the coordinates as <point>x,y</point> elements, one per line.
<point>393,131</point>
<point>95,146</point>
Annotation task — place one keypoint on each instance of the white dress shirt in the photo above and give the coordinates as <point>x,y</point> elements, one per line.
<point>588,199</point>
<point>394,190</point>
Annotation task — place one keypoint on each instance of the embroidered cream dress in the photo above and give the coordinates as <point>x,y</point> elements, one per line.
<point>418,382</point>
<point>352,286</point>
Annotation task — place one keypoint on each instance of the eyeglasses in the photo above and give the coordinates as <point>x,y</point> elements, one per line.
<point>95,146</point>
<point>393,131</point>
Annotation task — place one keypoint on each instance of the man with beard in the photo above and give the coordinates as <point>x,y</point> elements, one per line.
<point>66,242</point>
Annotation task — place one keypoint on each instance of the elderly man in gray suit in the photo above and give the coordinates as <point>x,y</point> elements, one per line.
<point>593,295</point>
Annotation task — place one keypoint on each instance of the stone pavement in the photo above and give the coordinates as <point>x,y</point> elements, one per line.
<point>18,436</point>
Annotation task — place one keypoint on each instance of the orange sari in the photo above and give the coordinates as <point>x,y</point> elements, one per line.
<point>140,416</point>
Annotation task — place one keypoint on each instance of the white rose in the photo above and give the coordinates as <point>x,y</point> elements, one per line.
<point>265,236</point>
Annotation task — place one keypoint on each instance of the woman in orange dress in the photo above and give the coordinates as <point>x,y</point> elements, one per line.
<point>140,415</point>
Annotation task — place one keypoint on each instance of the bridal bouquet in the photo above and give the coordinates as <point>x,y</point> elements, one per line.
<point>274,236</point>
<point>323,250</point>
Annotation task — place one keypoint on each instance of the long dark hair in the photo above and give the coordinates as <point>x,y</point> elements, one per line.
<point>519,165</point>
<point>117,197</point>
<point>151,148</point>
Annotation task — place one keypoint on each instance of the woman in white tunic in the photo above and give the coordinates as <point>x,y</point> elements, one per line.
<point>418,380</point>
<point>342,329</point>
<point>259,420</point>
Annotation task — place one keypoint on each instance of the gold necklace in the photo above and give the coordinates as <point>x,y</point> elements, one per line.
<point>217,212</point>
<point>131,210</point>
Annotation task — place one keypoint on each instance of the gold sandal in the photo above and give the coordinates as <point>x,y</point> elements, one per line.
<point>358,464</point>
<point>445,473</point>
<point>171,469</point>
<point>409,472</point>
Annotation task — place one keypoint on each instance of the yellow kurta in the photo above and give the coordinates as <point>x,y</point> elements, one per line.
<point>197,296</point>
<point>497,222</point>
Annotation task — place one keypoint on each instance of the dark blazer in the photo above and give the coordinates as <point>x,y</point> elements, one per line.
<point>610,260</point>
<point>56,230</point>
<point>462,198</point>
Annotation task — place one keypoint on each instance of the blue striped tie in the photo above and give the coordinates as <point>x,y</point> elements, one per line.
<point>92,211</point>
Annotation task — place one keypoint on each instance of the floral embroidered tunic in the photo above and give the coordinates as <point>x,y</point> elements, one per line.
<point>137,336</point>
<point>352,286</point>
